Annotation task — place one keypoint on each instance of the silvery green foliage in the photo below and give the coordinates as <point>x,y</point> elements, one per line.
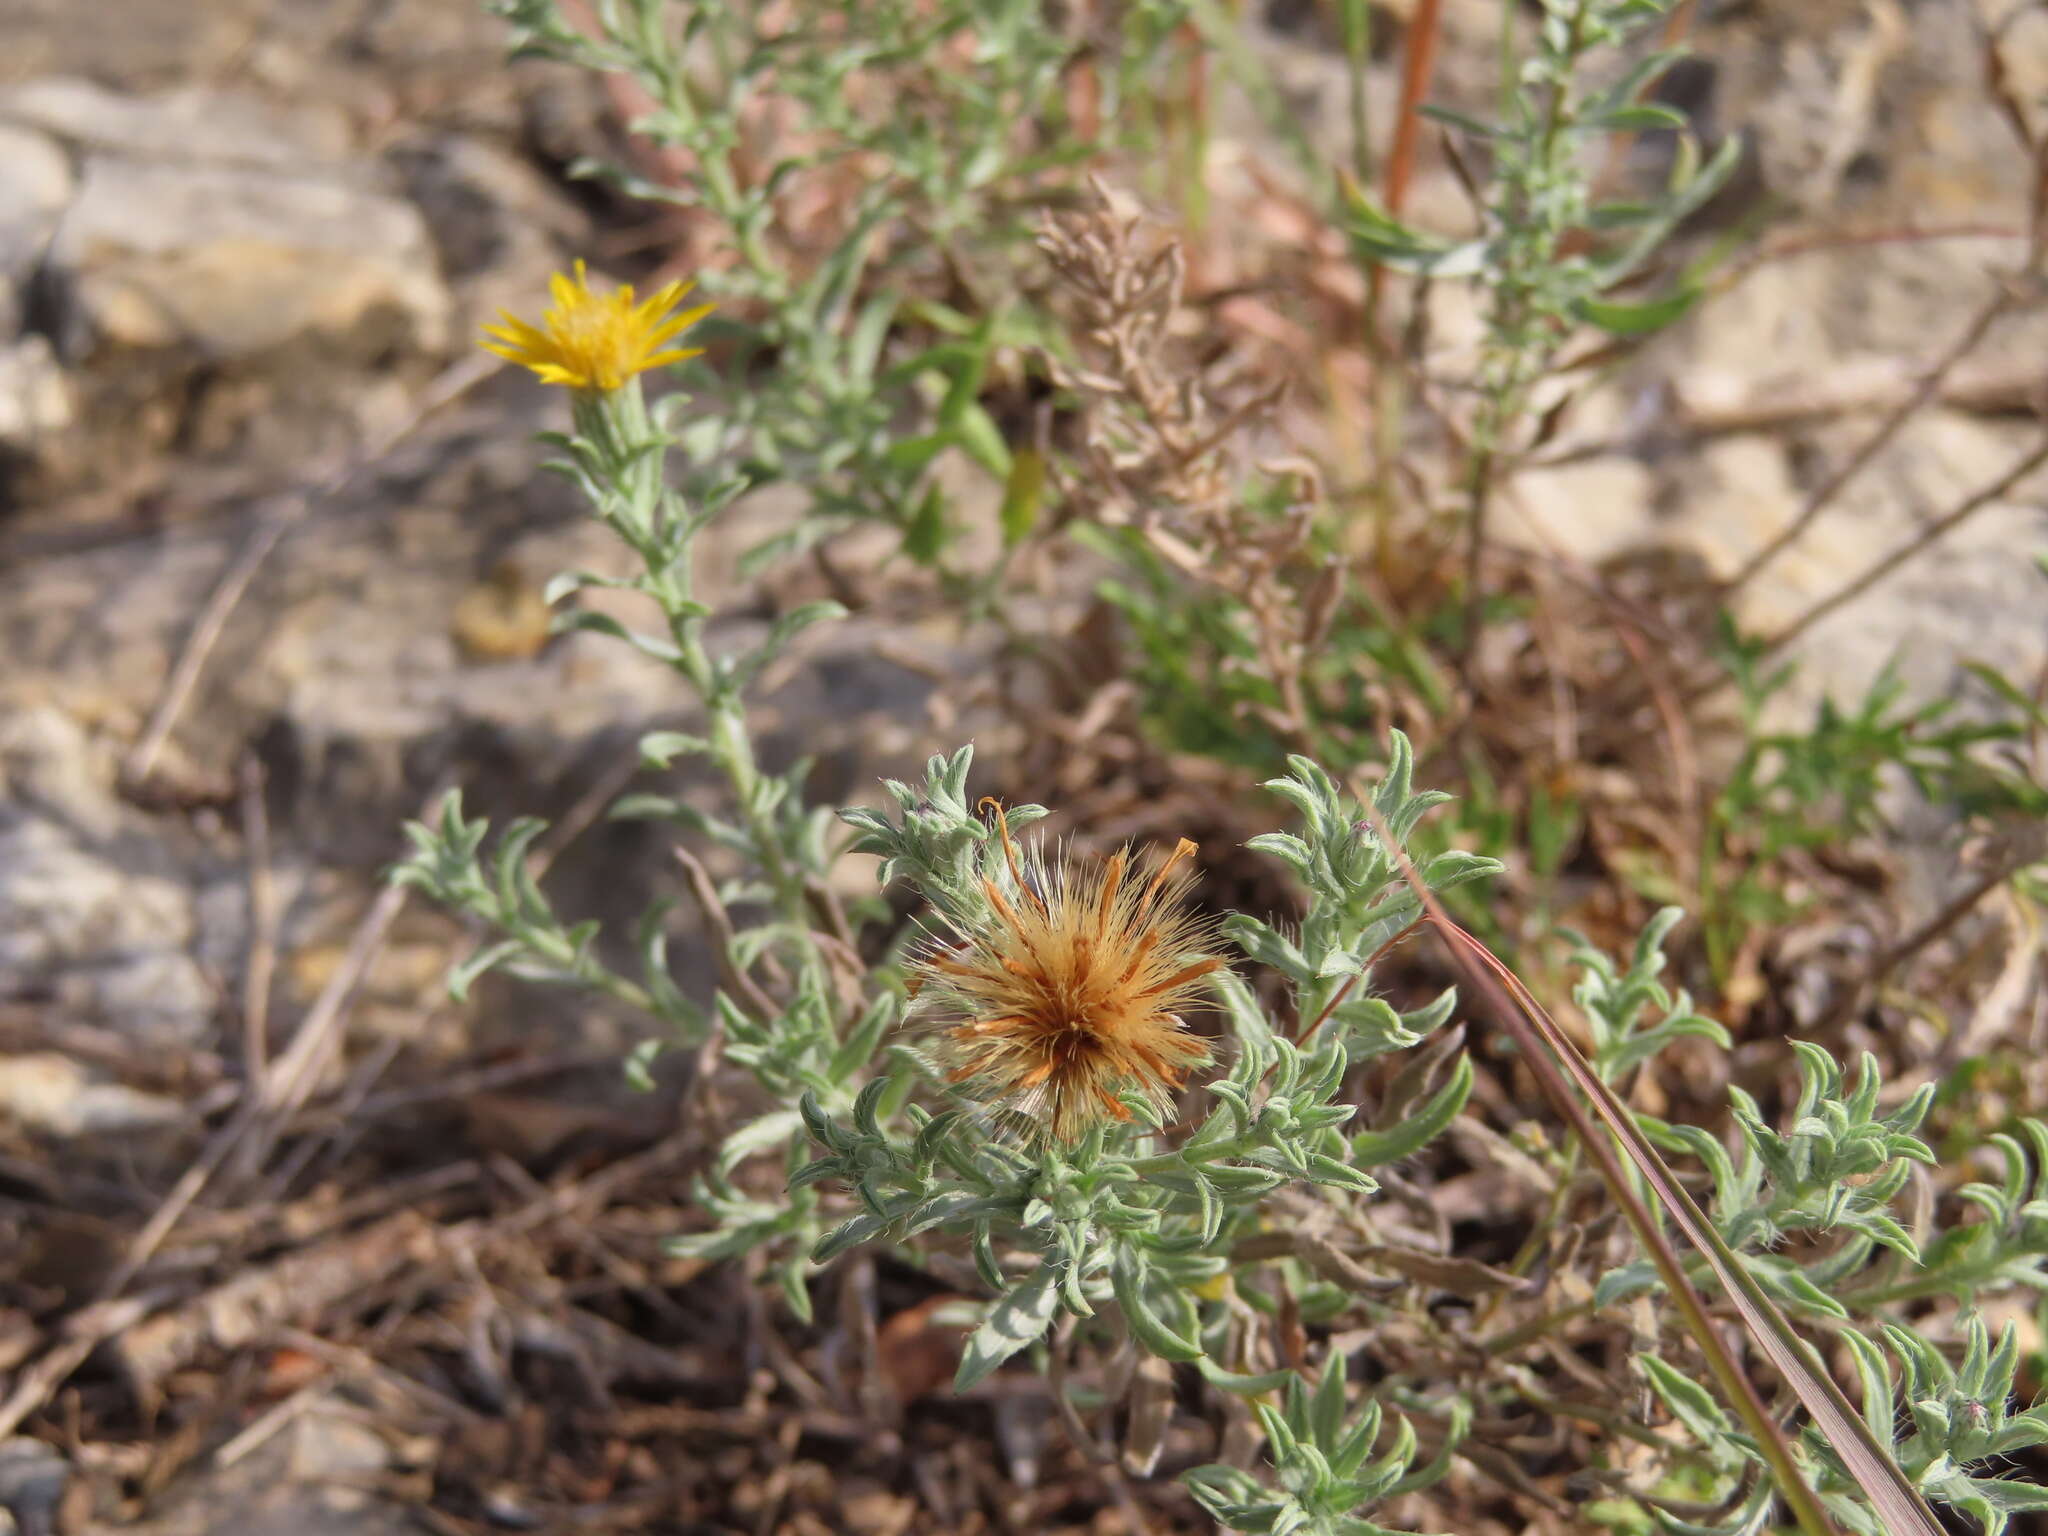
<point>1132,1218</point>
<point>855,383</point>
<point>448,863</point>
<point>1958,1424</point>
<point>1949,1424</point>
<point>2009,1246</point>
<point>936,838</point>
<point>1550,117</point>
<point>806,1037</point>
<point>1323,1464</point>
<point>1358,899</point>
<point>1617,1005</point>
<point>1837,1170</point>
<point>1838,1167</point>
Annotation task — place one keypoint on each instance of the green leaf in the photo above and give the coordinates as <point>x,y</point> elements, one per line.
<point>1689,1402</point>
<point>1464,122</point>
<point>1243,1386</point>
<point>1017,1318</point>
<point>1127,1275</point>
<point>785,629</point>
<point>966,384</point>
<point>1023,494</point>
<point>1374,1149</point>
<point>771,1129</point>
<point>864,1228</point>
<point>574,619</point>
<point>1637,319</point>
<point>912,454</point>
<point>1390,243</point>
<point>660,748</point>
<point>1690,190</point>
<point>1261,942</point>
<point>859,1046</point>
<point>794,1279</point>
<point>639,1064</point>
<point>978,435</point>
<point>460,977</point>
<point>1635,119</point>
<point>927,533</point>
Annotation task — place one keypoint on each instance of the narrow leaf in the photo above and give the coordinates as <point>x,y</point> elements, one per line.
<point>1021,1314</point>
<point>1552,1058</point>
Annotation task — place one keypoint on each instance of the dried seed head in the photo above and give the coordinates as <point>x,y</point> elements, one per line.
<point>1073,989</point>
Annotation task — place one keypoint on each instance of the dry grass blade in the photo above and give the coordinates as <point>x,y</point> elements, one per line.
<point>1552,1057</point>
<point>1418,63</point>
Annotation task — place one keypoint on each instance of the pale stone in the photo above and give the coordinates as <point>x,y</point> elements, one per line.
<point>1591,511</point>
<point>35,184</point>
<point>45,1091</point>
<point>193,124</point>
<point>233,260</point>
<point>35,396</point>
<point>88,907</point>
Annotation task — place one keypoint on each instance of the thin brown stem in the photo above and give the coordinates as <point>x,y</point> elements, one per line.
<point>261,966</point>
<point>1558,1066</point>
<point>704,891</point>
<point>1418,63</point>
<point>2016,858</point>
<point>1947,523</point>
<point>1823,495</point>
<point>1479,493</point>
<point>1337,998</point>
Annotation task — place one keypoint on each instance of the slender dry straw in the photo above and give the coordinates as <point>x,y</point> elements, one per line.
<point>1418,63</point>
<point>1552,1057</point>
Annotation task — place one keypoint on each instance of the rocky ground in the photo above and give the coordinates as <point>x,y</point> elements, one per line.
<point>244,247</point>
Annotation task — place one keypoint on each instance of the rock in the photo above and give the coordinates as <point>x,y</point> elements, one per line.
<point>211,220</point>
<point>501,227</point>
<point>33,1480</point>
<point>93,908</point>
<point>1596,508</point>
<point>131,42</point>
<point>35,185</point>
<point>35,396</point>
<point>193,124</point>
<point>295,1483</point>
<point>230,261</point>
<point>61,904</point>
<point>48,1092</point>
<point>217,269</point>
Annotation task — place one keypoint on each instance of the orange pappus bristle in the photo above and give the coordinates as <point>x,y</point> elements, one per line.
<point>1073,992</point>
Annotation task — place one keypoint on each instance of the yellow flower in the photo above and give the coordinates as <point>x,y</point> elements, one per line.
<point>596,341</point>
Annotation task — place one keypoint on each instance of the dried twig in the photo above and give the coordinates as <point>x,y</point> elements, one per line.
<point>262,961</point>
<point>297,1070</point>
<point>705,893</point>
<point>280,515</point>
<point>1940,528</point>
<point>1928,386</point>
<point>630,1276</point>
<point>82,1333</point>
<point>2025,849</point>
<point>253,1109</point>
<point>300,1285</point>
